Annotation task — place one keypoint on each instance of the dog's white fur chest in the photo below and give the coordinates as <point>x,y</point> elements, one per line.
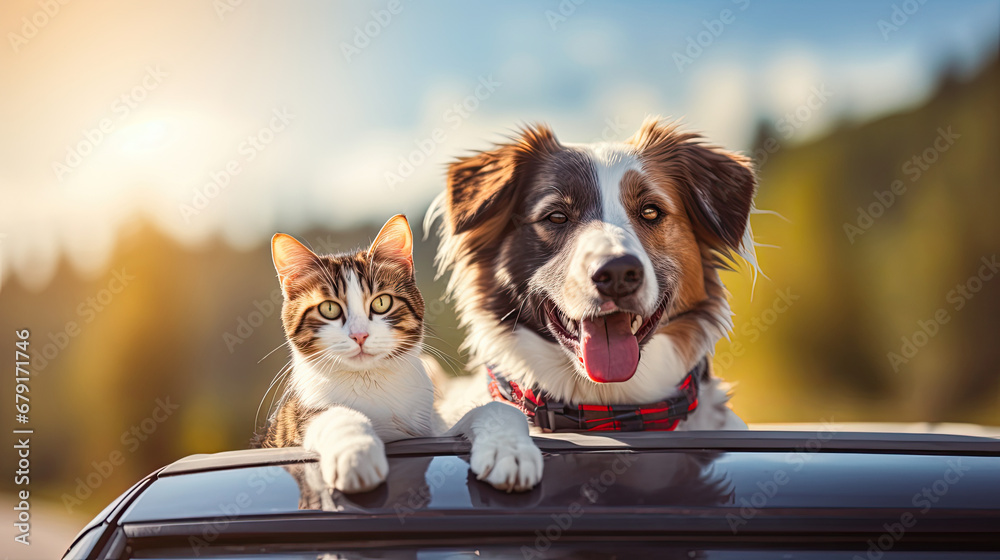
<point>530,361</point>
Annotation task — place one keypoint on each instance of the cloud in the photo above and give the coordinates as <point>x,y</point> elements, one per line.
<point>875,85</point>
<point>356,119</point>
<point>720,102</point>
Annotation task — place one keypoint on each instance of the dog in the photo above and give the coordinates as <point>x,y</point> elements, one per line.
<point>587,276</point>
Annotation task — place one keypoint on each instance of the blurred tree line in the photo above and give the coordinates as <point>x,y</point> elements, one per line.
<point>193,330</point>
<point>889,250</point>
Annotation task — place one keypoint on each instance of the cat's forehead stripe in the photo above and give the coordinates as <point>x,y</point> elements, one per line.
<point>352,280</point>
<point>314,297</point>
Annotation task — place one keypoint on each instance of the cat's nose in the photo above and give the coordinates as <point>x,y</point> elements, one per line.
<point>359,337</point>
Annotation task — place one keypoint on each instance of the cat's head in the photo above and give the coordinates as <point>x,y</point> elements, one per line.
<point>351,311</point>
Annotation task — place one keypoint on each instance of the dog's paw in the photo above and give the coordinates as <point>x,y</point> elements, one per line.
<point>509,462</point>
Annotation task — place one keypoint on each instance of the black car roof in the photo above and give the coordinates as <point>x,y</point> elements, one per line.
<point>862,442</point>
<point>729,484</point>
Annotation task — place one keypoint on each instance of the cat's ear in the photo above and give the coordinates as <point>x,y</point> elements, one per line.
<point>394,241</point>
<point>290,257</point>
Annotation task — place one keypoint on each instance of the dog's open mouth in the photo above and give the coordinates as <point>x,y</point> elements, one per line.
<point>607,345</point>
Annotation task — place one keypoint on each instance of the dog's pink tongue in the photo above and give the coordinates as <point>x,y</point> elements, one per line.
<point>609,350</point>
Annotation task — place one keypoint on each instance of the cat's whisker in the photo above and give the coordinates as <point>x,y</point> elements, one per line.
<point>273,351</point>
<point>436,352</point>
<point>449,360</point>
<point>447,353</point>
<point>434,336</point>
<point>324,358</point>
<point>326,369</point>
<point>275,380</point>
<point>508,314</point>
<point>518,317</point>
<point>274,395</point>
<point>411,365</point>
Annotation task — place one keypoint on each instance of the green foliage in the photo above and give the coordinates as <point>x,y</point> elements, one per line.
<point>812,344</point>
<point>877,245</point>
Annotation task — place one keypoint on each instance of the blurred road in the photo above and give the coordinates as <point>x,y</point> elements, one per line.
<point>52,529</point>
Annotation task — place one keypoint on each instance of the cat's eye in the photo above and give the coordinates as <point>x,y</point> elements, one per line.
<point>650,213</point>
<point>557,218</point>
<point>381,304</point>
<point>330,310</point>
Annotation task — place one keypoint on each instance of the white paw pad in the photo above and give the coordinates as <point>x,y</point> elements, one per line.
<point>507,462</point>
<point>354,465</point>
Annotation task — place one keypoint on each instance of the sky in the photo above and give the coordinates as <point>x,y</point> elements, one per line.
<point>235,119</point>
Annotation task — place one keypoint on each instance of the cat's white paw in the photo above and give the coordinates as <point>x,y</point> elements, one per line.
<point>351,455</point>
<point>507,461</point>
<point>354,464</point>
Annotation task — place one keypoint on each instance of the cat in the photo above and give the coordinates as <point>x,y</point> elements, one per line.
<point>358,379</point>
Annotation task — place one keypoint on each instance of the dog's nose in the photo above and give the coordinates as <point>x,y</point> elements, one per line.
<point>619,277</point>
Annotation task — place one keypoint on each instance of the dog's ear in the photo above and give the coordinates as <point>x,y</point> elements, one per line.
<point>717,186</point>
<point>720,190</point>
<point>478,185</point>
<point>484,186</point>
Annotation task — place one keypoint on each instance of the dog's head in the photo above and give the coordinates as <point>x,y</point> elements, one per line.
<point>593,246</point>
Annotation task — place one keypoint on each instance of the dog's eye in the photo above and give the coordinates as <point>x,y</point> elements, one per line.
<point>650,213</point>
<point>557,218</point>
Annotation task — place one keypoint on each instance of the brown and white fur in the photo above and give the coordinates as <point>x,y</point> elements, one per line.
<point>358,379</point>
<point>529,228</point>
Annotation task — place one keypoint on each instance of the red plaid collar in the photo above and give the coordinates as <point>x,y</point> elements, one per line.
<point>553,416</point>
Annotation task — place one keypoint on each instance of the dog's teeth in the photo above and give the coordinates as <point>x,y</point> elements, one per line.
<point>636,323</point>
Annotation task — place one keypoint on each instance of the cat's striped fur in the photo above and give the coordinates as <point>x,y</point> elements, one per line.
<point>285,428</point>
<point>354,323</point>
<point>315,279</point>
<point>331,277</point>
